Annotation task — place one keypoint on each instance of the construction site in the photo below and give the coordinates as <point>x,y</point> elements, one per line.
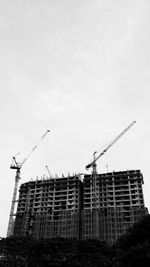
<point>64,207</point>
<point>82,206</point>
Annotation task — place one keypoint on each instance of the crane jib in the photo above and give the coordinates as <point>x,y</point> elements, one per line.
<point>110,145</point>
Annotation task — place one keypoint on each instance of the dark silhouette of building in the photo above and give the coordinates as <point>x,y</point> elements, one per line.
<point>68,207</point>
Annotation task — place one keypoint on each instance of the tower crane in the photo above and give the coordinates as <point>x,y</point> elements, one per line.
<point>17,166</point>
<point>93,165</point>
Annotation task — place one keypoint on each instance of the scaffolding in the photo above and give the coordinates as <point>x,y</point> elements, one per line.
<point>65,206</point>
<point>50,208</point>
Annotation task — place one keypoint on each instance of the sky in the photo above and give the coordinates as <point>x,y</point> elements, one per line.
<point>81,69</point>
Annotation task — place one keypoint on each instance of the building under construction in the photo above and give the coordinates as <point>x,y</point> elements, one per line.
<point>70,207</point>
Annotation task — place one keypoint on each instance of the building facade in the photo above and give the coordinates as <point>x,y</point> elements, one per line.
<point>69,207</point>
<point>118,204</point>
<point>49,208</point>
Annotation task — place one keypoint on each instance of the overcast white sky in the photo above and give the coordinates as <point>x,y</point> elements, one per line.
<point>80,68</point>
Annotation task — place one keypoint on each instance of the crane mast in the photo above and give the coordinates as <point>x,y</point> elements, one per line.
<point>11,216</point>
<point>17,166</point>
